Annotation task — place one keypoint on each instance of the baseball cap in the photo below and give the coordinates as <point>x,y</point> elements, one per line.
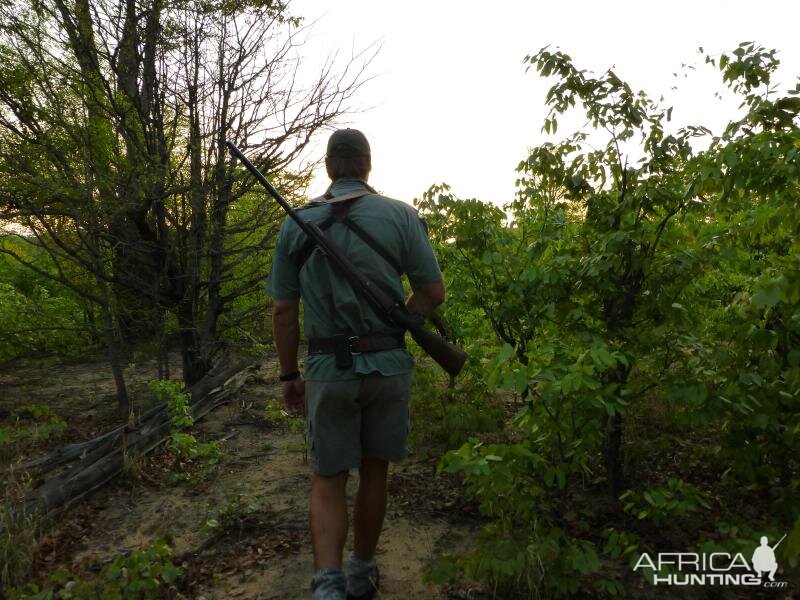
<point>348,142</point>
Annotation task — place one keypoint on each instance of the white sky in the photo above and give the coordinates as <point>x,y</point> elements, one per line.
<point>451,102</point>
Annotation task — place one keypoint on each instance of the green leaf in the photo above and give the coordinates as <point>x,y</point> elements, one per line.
<point>506,352</point>
<point>770,294</point>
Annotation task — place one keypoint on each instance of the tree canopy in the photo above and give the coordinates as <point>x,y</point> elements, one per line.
<point>113,119</point>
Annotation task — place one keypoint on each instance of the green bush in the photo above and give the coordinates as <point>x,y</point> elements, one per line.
<point>638,304</point>
<point>182,445</point>
<point>145,574</point>
<point>38,315</point>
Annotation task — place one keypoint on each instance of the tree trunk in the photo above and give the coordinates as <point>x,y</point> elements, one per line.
<point>618,310</point>
<point>613,454</point>
<point>123,403</point>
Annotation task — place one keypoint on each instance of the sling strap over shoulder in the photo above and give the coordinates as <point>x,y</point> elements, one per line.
<point>301,256</point>
<point>372,243</point>
<point>308,247</point>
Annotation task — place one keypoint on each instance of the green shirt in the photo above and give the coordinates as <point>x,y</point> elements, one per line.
<point>330,305</point>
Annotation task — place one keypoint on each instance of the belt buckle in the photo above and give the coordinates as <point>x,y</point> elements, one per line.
<point>350,341</point>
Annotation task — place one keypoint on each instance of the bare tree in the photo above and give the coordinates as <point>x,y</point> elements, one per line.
<point>113,118</point>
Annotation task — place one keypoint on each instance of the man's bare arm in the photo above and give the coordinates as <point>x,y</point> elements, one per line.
<point>426,297</point>
<point>286,329</point>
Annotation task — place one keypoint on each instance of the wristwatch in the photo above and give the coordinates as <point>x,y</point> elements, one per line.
<point>289,376</point>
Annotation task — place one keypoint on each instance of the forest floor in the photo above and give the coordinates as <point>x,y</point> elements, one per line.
<point>238,529</point>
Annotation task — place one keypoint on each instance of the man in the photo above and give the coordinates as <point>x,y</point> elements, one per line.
<point>764,559</point>
<point>358,372</point>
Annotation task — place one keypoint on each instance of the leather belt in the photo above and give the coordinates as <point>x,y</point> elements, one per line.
<point>357,344</point>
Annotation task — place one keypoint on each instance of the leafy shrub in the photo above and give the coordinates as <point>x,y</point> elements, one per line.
<point>184,446</point>
<point>636,287</point>
<point>239,506</point>
<point>275,413</point>
<point>145,574</point>
<point>662,503</point>
<point>38,315</point>
<point>35,421</point>
<point>451,413</point>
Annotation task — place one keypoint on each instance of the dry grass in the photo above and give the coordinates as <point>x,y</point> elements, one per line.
<point>19,534</point>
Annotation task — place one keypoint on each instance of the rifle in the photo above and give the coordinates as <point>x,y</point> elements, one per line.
<point>450,357</point>
<point>779,542</point>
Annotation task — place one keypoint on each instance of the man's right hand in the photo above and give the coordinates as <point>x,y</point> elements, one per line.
<point>294,396</point>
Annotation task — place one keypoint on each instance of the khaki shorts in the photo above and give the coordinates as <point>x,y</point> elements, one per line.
<point>348,420</point>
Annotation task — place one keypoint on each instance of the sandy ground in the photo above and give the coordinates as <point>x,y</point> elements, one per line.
<point>258,495</point>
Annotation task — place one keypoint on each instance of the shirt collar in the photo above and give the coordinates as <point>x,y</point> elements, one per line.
<point>347,185</point>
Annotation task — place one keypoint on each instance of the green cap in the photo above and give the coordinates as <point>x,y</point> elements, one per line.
<point>348,142</point>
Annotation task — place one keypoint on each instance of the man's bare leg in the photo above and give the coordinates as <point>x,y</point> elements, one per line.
<point>328,520</point>
<point>370,506</point>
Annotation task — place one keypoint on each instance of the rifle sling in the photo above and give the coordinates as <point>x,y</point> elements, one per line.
<point>308,247</point>
<point>372,243</point>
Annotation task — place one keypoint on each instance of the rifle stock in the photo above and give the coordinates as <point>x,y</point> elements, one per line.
<point>448,356</point>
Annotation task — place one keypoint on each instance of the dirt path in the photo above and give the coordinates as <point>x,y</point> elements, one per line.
<point>242,531</point>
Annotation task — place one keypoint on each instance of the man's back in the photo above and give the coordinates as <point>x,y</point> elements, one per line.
<point>331,306</point>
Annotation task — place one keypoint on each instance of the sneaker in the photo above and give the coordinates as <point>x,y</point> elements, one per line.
<point>329,584</point>
<point>362,578</point>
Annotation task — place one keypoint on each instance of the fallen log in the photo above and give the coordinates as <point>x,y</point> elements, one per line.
<point>102,458</point>
<point>70,452</point>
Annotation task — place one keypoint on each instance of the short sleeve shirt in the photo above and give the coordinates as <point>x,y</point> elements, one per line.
<point>330,305</point>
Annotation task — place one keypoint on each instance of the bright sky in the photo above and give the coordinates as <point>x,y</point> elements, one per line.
<point>451,102</point>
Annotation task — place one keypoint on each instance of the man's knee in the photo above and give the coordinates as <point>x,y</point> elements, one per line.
<point>335,481</point>
<point>373,468</point>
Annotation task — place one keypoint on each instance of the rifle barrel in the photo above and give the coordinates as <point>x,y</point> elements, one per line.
<point>779,542</point>
<point>270,188</point>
